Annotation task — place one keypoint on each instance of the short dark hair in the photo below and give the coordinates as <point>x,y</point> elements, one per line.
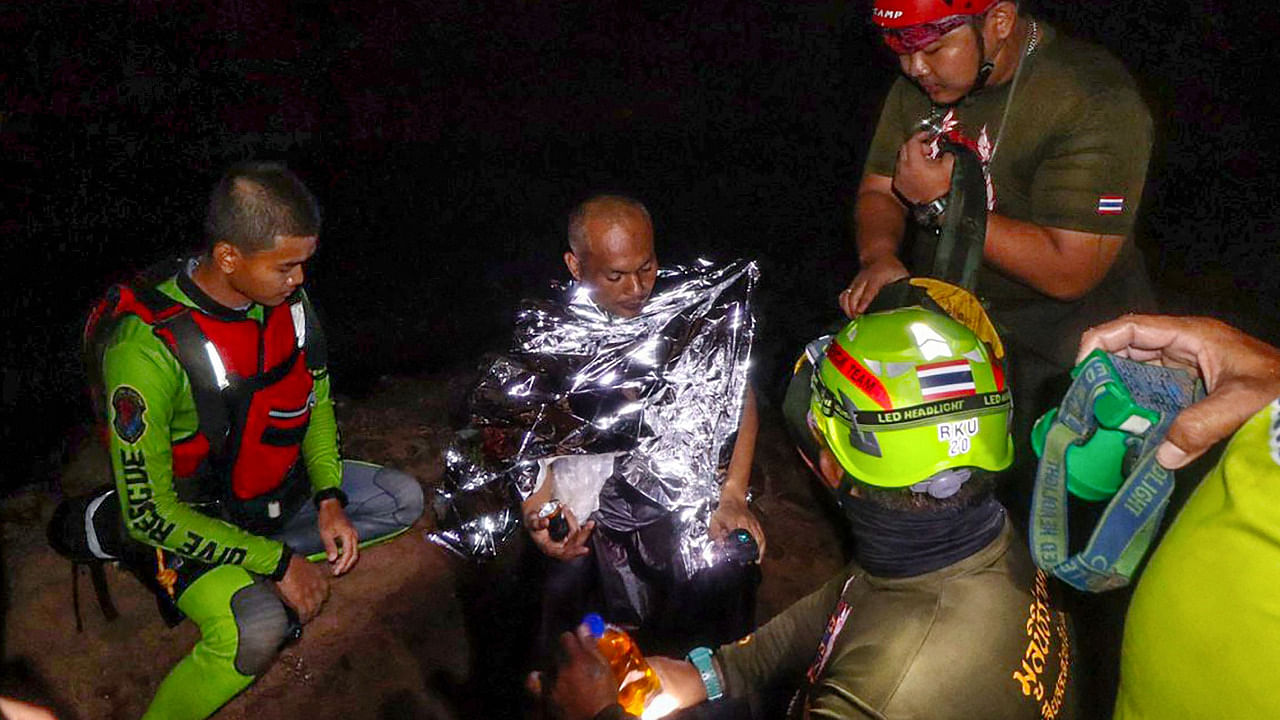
<point>612,202</point>
<point>980,485</point>
<point>255,202</point>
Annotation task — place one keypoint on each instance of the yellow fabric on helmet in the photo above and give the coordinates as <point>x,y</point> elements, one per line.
<point>963,307</point>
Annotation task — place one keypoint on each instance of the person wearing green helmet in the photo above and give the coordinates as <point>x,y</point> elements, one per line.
<point>904,414</point>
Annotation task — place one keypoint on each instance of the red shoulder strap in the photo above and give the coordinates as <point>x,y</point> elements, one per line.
<point>148,304</point>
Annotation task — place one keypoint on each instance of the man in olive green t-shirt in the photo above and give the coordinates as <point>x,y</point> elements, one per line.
<point>1065,139</point>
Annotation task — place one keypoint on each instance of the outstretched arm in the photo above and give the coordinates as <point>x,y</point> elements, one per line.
<point>879,222</point>
<point>732,512</point>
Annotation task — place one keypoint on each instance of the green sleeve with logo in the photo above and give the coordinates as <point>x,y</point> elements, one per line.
<point>149,406</point>
<point>1202,636</point>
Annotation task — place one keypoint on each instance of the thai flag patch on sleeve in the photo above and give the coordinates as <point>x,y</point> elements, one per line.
<point>1111,205</point>
<point>939,381</point>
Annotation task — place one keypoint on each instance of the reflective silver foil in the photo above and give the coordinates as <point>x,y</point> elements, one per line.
<point>665,388</point>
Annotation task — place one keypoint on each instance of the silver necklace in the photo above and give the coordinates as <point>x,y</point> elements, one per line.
<point>1033,42</point>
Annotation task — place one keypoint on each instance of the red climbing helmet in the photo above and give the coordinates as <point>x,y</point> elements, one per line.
<point>898,14</point>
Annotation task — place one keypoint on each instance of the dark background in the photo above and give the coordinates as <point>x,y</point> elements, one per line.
<point>447,140</point>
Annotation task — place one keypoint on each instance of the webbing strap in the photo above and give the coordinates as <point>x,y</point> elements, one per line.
<point>1126,528</point>
<point>963,234</point>
<point>206,389</point>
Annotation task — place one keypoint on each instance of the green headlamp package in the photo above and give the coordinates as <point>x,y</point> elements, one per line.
<point>1100,443</point>
<point>1094,468</point>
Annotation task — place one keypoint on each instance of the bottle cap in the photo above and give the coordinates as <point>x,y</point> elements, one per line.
<point>595,624</point>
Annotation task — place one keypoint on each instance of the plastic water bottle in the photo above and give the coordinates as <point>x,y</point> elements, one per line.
<point>639,689</point>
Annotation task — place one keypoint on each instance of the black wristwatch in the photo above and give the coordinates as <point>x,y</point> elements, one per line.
<point>925,214</point>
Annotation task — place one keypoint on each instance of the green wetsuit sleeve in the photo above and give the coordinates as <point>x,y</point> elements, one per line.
<point>320,444</point>
<point>778,653</point>
<point>144,386</point>
<point>1101,151</point>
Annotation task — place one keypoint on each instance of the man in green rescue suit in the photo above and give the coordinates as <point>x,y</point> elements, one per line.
<point>224,445</point>
<point>904,415</point>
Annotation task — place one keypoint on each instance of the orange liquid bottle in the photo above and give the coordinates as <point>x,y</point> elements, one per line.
<point>638,685</point>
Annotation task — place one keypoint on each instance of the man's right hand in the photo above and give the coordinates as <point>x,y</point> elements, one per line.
<point>868,282</point>
<point>574,545</point>
<point>1240,373</point>
<point>304,588</point>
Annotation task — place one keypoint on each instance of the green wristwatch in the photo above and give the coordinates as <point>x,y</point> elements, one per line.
<point>701,659</point>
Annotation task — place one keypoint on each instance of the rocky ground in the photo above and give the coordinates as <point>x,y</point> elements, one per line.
<point>411,633</point>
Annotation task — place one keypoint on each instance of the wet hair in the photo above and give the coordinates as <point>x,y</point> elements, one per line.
<point>254,203</point>
<point>610,206</point>
<point>980,485</point>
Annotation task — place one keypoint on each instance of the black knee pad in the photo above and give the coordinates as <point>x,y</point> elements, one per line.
<point>263,626</point>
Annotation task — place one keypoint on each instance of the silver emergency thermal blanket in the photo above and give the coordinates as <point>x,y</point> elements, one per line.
<point>663,391</point>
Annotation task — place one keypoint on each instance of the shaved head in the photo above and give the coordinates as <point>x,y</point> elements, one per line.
<point>603,209</point>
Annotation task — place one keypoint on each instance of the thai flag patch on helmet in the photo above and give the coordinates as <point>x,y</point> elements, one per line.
<point>939,381</point>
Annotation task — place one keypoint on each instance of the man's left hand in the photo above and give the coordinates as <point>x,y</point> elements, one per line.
<point>341,541</point>
<point>731,514</point>
<point>918,177</point>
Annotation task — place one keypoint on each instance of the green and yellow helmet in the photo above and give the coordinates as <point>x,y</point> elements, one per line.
<point>904,394</point>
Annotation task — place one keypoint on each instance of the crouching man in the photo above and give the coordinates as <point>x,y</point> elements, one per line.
<point>223,441</point>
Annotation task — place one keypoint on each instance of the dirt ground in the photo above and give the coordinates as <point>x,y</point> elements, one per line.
<point>412,632</point>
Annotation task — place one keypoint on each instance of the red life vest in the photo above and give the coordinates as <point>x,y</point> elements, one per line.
<point>253,388</point>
